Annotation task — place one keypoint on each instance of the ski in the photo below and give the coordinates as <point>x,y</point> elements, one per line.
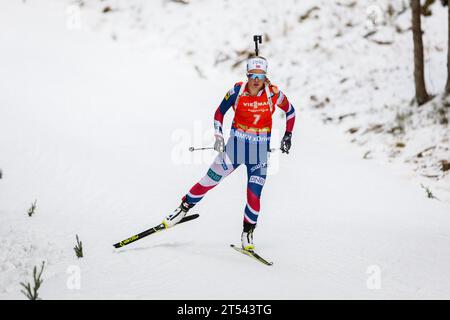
<point>150,231</point>
<point>252,254</point>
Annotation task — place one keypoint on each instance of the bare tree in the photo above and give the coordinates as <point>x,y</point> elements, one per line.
<point>447,87</point>
<point>419,78</point>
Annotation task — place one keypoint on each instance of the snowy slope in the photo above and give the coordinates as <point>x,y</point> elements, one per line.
<point>95,122</point>
<point>349,61</point>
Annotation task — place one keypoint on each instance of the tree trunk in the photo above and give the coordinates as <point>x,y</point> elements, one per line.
<point>419,77</point>
<point>447,87</point>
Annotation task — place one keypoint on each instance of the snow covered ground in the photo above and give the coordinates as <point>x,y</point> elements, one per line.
<point>97,111</point>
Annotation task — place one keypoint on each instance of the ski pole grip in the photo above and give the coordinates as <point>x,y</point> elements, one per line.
<point>197,149</point>
<point>257,39</point>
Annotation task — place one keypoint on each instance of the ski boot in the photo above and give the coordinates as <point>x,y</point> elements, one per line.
<point>176,216</point>
<point>247,236</point>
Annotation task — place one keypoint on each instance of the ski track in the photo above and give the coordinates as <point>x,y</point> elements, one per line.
<point>83,132</point>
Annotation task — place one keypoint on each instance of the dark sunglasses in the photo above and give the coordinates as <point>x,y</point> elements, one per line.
<point>254,76</point>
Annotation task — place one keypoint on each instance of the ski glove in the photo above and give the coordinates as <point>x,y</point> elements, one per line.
<point>286,142</point>
<point>219,145</point>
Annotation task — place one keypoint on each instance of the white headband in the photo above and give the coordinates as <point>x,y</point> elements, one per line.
<point>257,63</point>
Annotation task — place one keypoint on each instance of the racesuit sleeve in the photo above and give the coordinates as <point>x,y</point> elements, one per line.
<point>227,102</point>
<point>284,104</point>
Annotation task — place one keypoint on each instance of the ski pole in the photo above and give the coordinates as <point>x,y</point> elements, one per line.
<point>197,149</point>
<point>192,149</point>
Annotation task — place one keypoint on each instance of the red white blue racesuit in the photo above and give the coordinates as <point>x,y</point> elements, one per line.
<point>249,143</point>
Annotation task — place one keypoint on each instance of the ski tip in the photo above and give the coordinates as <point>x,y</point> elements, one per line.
<point>252,254</point>
<point>189,217</point>
<point>237,247</point>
